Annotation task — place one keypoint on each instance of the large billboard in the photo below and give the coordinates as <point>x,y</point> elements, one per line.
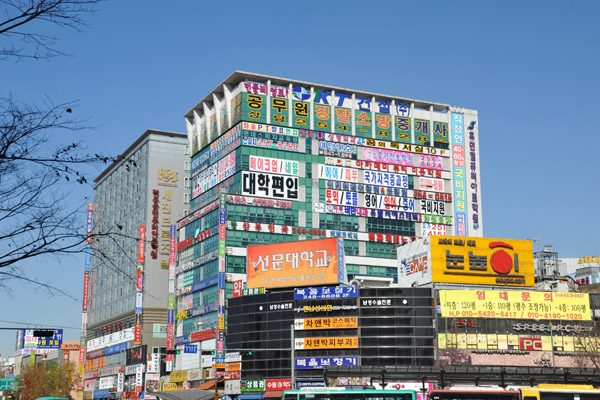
<point>303,263</point>
<point>513,304</point>
<point>466,260</point>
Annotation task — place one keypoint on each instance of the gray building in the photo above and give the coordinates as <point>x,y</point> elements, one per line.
<point>128,287</point>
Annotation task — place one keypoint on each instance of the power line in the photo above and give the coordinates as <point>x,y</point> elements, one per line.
<point>37,325</point>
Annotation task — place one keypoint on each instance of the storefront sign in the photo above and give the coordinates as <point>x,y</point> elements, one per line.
<point>323,362</point>
<point>326,343</point>
<point>326,323</point>
<point>338,292</point>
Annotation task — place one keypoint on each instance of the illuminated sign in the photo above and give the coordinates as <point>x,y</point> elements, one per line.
<point>303,263</point>
<point>515,304</point>
<point>326,323</point>
<point>326,343</point>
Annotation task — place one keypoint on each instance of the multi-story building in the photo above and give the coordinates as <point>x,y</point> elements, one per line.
<point>278,160</point>
<point>137,200</point>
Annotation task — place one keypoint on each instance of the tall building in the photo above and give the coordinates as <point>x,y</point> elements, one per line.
<point>279,160</point>
<point>137,200</point>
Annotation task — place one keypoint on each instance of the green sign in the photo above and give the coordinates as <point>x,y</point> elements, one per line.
<point>403,132</point>
<point>254,108</point>
<point>9,383</point>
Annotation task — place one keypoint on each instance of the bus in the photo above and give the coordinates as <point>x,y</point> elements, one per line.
<point>473,394</point>
<point>560,392</point>
<point>340,393</point>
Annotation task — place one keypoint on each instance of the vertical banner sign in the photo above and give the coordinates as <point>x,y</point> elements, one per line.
<point>171,304</point>
<point>86,286</point>
<point>221,292</point>
<point>86,283</point>
<point>137,335</point>
<point>458,165</point>
<point>403,129</point>
<point>142,247</point>
<point>89,223</point>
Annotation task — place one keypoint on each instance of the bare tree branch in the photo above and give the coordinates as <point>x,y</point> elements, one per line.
<point>24,21</point>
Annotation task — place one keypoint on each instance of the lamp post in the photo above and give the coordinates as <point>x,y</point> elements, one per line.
<point>293,358</point>
<point>215,332</point>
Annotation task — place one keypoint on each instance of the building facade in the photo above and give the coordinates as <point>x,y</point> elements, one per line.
<point>278,160</point>
<point>137,200</point>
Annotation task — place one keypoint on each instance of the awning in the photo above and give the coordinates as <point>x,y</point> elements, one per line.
<point>273,393</point>
<point>250,397</point>
<point>190,394</point>
<point>208,384</point>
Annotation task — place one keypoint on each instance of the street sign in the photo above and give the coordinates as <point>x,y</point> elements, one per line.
<point>9,383</point>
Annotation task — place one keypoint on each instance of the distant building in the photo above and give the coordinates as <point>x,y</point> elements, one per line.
<point>148,187</point>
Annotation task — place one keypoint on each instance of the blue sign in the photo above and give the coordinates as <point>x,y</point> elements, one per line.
<point>221,280</point>
<point>321,362</point>
<point>339,292</point>
<point>115,349</point>
<point>101,394</point>
<point>52,342</point>
<point>190,349</point>
<point>170,316</point>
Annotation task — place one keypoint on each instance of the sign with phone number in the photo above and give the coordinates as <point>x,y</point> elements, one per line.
<point>514,304</point>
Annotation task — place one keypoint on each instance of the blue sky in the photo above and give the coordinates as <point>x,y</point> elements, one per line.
<point>529,68</point>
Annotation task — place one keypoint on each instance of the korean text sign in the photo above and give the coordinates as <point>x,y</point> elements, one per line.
<point>482,261</point>
<point>512,304</point>
<point>304,263</point>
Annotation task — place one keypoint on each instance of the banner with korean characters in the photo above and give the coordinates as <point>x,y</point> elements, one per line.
<point>326,323</point>
<point>253,385</point>
<point>269,185</point>
<point>254,107</point>
<point>313,293</point>
<point>274,165</point>
<point>512,304</point>
<point>326,343</point>
<point>403,158</point>
<point>323,362</point>
<point>385,166</point>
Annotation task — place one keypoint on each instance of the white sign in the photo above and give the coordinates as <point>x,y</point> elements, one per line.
<point>433,184</point>
<point>120,382</point>
<point>369,200</point>
<point>274,165</point>
<point>153,363</point>
<point>269,185</point>
<point>233,386</point>
<point>139,375</point>
<point>414,263</point>
<point>108,340</point>
<point>233,357</point>
<point>106,382</point>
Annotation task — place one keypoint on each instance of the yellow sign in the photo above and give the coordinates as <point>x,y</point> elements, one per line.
<point>585,260</point>
<point>167,386</point>
<point>482,261</point>
<point>512,304</point>
<point>179,376</point>
<point>326,323</point>
<point>327,343</point>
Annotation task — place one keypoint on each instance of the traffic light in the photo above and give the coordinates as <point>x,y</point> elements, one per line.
<point>174,351</point>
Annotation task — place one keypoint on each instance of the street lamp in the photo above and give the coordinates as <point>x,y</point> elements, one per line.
<point>215,332</point>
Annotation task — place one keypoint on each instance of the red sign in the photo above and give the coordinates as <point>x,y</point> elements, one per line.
<point>140,276</point>
<point>202,335</point>
<point>279,384</point>
<point>530,343</point>
<point>81,355</point>
<point>169,357</point>
<point>142,247</point>
<point>137,334</point>
<point>86,283</point>
<point>231,374</point>
<point>237,288</point>
<point>170,336</point>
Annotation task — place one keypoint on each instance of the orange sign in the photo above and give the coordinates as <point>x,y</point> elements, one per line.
<point>482,261</point>
<point>326,343</point>
<point>69,346</point>
<point>326,323</point>
<point>305,263</point>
